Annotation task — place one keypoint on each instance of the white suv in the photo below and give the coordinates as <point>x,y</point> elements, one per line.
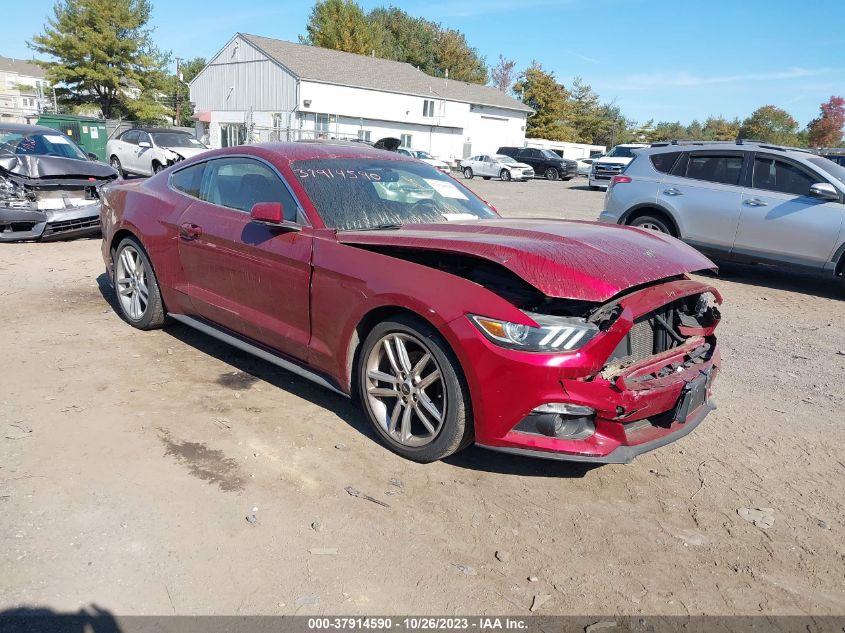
<point>612,163</point>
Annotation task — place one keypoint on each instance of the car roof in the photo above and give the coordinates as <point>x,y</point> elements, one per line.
<point>149,130</point>
<point>741,145</point>
<point>299,150</point>
<point>23,128</point>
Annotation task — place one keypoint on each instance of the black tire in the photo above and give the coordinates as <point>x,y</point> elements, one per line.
<point>552,174</point>
<point>157,167</point>
<point>114,161</point>
<point>653,223</point>
<point>468,173</point>
<point>456,430</point>
<point>153,315</point>
<point>504,175</point>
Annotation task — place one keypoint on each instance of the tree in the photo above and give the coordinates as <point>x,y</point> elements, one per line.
<point>590,119</point>
<point>720,129</point>
<point>391,33</point>
<point>770,124</point>
<point>341,25</point>
<point>826,130</point>
<point>105,55</point>
<point>177,90</point>
<point>541,91</point>
<point>503,73</point>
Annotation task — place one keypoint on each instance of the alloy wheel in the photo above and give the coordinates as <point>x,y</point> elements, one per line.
<point>468,173</point>
<point>551,173</point>
<point>405,389</point>
<point>505,175</point>
<point>131,281</point>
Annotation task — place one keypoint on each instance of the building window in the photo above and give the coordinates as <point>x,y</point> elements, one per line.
<point>406,140</point>
<point>364,135</point>
<point>321,123</point>
<point>428,107</point>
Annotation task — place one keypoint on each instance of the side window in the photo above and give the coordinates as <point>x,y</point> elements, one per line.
<point>664,162</point>
<point>130,137</point>
<point>715,168</point>
<point>778,175</point>
<point>143,137</point>
<point>241,183</point>
<point>188,180</point>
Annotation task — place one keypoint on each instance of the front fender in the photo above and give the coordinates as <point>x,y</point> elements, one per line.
<point>349,282</point>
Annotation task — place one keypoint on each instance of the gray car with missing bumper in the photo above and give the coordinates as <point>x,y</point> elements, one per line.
<point>742,201</point>
<point>49,187</point>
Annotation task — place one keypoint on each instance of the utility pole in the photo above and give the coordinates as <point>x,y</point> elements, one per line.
<point>178,86</point>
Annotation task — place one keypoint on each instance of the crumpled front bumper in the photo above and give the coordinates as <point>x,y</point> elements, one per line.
<point>18,225</point>
<point>637,407</point>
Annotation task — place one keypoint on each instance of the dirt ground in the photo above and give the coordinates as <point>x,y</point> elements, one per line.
<point>130,461</point>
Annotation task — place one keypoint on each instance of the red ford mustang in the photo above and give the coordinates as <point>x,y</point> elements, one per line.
<point>377,276</point>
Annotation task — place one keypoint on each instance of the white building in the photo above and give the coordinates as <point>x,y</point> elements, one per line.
<point>259,89</point>
<point>24,92</point>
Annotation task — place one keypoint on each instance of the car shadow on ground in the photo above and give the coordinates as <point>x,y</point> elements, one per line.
<point>31,619</point>
<point>252,369</point>
<point>766,277</point>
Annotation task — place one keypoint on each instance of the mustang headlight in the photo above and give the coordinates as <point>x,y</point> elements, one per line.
<point>555,334</point>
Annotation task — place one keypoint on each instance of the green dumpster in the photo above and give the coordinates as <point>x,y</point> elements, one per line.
<point>89,132</point>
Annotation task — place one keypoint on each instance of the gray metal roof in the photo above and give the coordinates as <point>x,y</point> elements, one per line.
<point>20,66</point>
<point>347,69</point>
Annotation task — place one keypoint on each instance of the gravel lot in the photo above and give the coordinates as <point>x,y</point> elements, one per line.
<point>129,462</point>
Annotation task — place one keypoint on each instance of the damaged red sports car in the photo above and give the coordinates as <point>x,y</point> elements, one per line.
<point>379,277</point>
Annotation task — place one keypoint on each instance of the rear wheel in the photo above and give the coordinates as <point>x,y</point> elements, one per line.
<point>468,173</point>
<point>552,174</point>
<point>157,167</point>
<point>652,223</point>
<point>137,289</point>
<point>412,390</point>
<point>505,175</point>
<point>115,164</point>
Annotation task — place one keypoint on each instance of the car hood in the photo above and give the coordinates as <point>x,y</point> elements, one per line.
<point>34,166</point>
<point>517,165</point>
<point>435,162</point>
<point>187,152</point>
<point>562,258</point>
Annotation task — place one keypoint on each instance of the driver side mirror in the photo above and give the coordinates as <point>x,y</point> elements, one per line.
<point>825,191</point>
<point>272,214</point>
<point>144,144</point>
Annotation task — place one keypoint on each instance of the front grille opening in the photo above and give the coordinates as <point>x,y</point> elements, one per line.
<point>658,331</point>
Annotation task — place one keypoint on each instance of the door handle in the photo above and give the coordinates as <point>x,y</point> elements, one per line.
<point>190,231</point>
<point>755,202</point>
<point>671,191</point>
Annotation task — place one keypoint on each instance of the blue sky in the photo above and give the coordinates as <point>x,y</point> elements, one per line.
<point>658,59</point>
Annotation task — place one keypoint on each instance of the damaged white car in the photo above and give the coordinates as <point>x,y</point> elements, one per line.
<point>49,187</point>
<point>145,152</point>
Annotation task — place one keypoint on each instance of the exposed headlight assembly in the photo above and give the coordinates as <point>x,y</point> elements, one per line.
<point>555,334</point>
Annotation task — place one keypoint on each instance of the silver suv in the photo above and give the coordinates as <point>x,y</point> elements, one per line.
<point>740,201</point>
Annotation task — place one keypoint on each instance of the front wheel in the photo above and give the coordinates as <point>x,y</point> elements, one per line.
<point>552,174</point>
<point>412,390</point>
<point>505,175</point>
<point>468,173</point>
<point>138,294</point>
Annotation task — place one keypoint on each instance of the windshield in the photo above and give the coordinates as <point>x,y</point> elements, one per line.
<point>550,154</point>
<point>421,154</point>
<point>837,171</point>
<point>55,144</point>
<point>173,139</point>
<point>621,152</point>
<point>360,194</point>
<point>504,159</point>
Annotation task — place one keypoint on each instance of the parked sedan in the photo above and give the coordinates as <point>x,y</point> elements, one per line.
<point>584,166</point>
<point>426,158</point>
<point>495,166</point>
<point>49,187</point>
<point>379,277</point>
<point>144,152</point>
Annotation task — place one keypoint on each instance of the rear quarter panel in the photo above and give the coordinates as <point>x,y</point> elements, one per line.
<point>149,210</point>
